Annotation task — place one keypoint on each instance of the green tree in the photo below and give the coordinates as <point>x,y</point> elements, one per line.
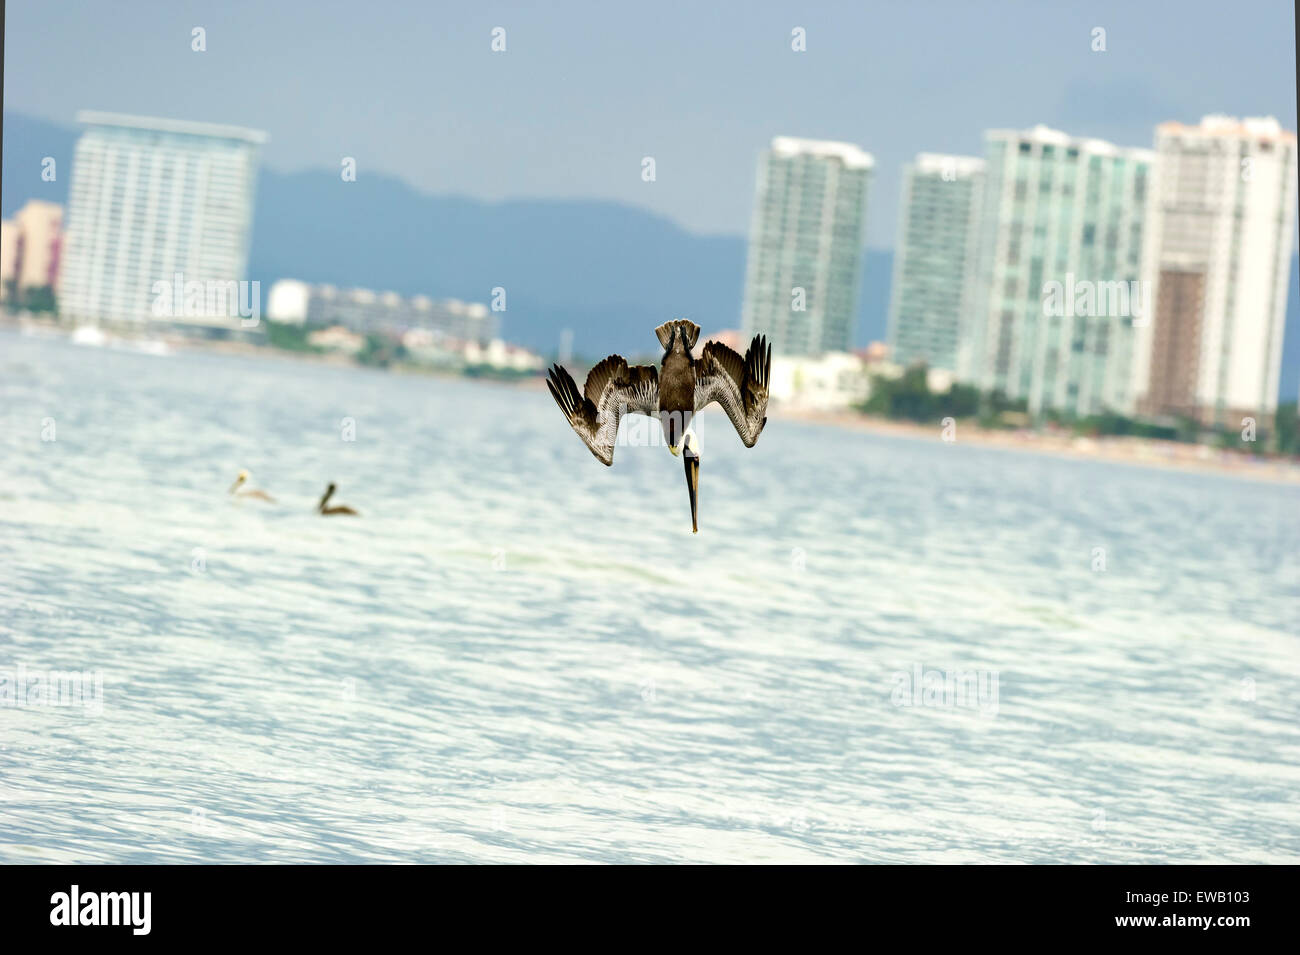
<point>1286,439</point>
<point>288,336</point>
<point>39,298</point>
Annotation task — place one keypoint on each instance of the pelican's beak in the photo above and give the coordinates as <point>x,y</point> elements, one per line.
<point>692,462</point>
<point>238,481</point>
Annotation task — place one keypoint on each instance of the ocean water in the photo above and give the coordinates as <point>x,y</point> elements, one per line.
<point>876,649</point>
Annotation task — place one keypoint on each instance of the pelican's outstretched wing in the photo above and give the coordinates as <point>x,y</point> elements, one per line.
<point>612,390</point>
<point>738,384</point>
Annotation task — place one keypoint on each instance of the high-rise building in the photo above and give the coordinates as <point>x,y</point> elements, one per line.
<point>40,232</point>
<point>1060,271</point>
<point>151,199</point>
<point>805,245</point>
<point>29,248</point>
<point>935,258</point>
<point>1223,217</point>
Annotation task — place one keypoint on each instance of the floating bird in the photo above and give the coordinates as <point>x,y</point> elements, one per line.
<point>338,509</point>
<point>248,493</point>
<point>682,386</point>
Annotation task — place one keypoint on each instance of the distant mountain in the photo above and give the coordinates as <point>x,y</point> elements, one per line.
<point>26,143</point>
<point>608,271</point>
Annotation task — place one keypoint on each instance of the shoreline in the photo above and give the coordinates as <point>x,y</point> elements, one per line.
<point>172,343</point>
<point>1141,452</point>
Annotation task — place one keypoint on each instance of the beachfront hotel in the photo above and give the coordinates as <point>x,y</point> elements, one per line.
<point>1060,271</point>
<point>805,245</point>
<point>934,265</point>
<point>1222,223</point>
<point>151,199</point>
<point>30,243</point>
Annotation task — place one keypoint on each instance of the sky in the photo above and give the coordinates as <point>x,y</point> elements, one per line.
<point>584,91</point>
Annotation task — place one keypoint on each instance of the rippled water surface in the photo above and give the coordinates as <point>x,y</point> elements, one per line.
<point>516,654</point>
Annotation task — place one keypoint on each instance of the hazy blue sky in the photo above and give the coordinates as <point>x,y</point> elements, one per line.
<point>585,90</point>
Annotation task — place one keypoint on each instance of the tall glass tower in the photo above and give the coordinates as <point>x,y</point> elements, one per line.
<point>805,245</point>
<point>934,262</point>
<point>151,199</point>
<point>1060,271</point>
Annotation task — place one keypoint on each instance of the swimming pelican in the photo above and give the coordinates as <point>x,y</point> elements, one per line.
<point>338,509</point>
<point>248,493</point>
<point>681,387</point>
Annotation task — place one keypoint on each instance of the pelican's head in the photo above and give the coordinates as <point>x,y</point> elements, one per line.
<point>239,481</point>
<point>324,498</point>
<point>691,459</point>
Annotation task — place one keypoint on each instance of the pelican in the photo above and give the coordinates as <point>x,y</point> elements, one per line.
<point>682,386</point>
<point>337,509</point>
<point>248,493</point>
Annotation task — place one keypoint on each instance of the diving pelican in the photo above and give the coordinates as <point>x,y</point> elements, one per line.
<point>337,509</point>
<point>682,386</point>
<point>248,493</point>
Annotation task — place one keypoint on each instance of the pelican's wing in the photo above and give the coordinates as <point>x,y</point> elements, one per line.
<point>738,384</point>
<point>612,390</point>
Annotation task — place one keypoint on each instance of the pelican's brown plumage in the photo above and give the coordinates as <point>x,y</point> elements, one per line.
<point>681,386</point>
<point>328,511</point>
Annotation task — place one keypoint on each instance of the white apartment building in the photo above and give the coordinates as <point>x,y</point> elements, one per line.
<point>935,258</point>
<point>151,199</point>
<point>831,381</point>
<point>36,234</point>
<point>805,245</point>
<point>1222,226</point>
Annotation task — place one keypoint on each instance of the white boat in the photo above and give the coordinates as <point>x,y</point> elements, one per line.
<point>150,346</point>
<point>89,335</point>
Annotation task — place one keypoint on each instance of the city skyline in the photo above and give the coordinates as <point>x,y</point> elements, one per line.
<point>1114,382</point>
<point>787,96</point>
<point>1267,126</point>
<point>515,138</point>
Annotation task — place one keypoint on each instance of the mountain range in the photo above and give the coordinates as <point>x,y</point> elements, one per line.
<point>608,271</point>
